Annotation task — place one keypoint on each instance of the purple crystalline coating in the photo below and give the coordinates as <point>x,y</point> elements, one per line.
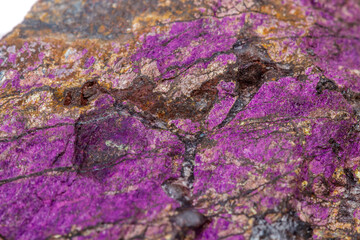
<point>181,120</point>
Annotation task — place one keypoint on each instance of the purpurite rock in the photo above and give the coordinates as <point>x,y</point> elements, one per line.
<point>168,119</point>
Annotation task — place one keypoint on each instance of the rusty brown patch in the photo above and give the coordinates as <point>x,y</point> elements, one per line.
<point>81,96</point>
<point>194,107</point>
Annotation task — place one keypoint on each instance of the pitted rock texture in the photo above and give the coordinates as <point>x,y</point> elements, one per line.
<point>164,119</point>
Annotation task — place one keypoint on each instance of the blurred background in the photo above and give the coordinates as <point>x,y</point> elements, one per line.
<point>12,12</point>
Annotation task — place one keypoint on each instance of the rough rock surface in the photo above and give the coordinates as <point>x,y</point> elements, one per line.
<point>179,119</point>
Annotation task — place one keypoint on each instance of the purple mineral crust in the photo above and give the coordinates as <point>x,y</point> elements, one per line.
<point>164,119</point>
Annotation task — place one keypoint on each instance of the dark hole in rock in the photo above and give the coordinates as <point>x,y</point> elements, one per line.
<point>72,97</point>
<point>68,98</point>
<point>176,189</point>
<point>189,218</point>
<point>254,66</point>
<point>252,63</point>
<point>325,83</point>
<point>251,75</point>
<point>82,96</point>
<point>336,148</point>
<point>88,90</point>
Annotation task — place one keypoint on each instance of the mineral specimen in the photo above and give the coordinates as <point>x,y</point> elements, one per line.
<point>179,119</point>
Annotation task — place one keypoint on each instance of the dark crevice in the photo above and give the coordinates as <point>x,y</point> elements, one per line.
<point>77,233</point>
<point>59,155</point>
<point>37,174</point>
<point>186,67</point>
<point>188,219</point>
<point>191,143</point>
<point>234,110</point>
